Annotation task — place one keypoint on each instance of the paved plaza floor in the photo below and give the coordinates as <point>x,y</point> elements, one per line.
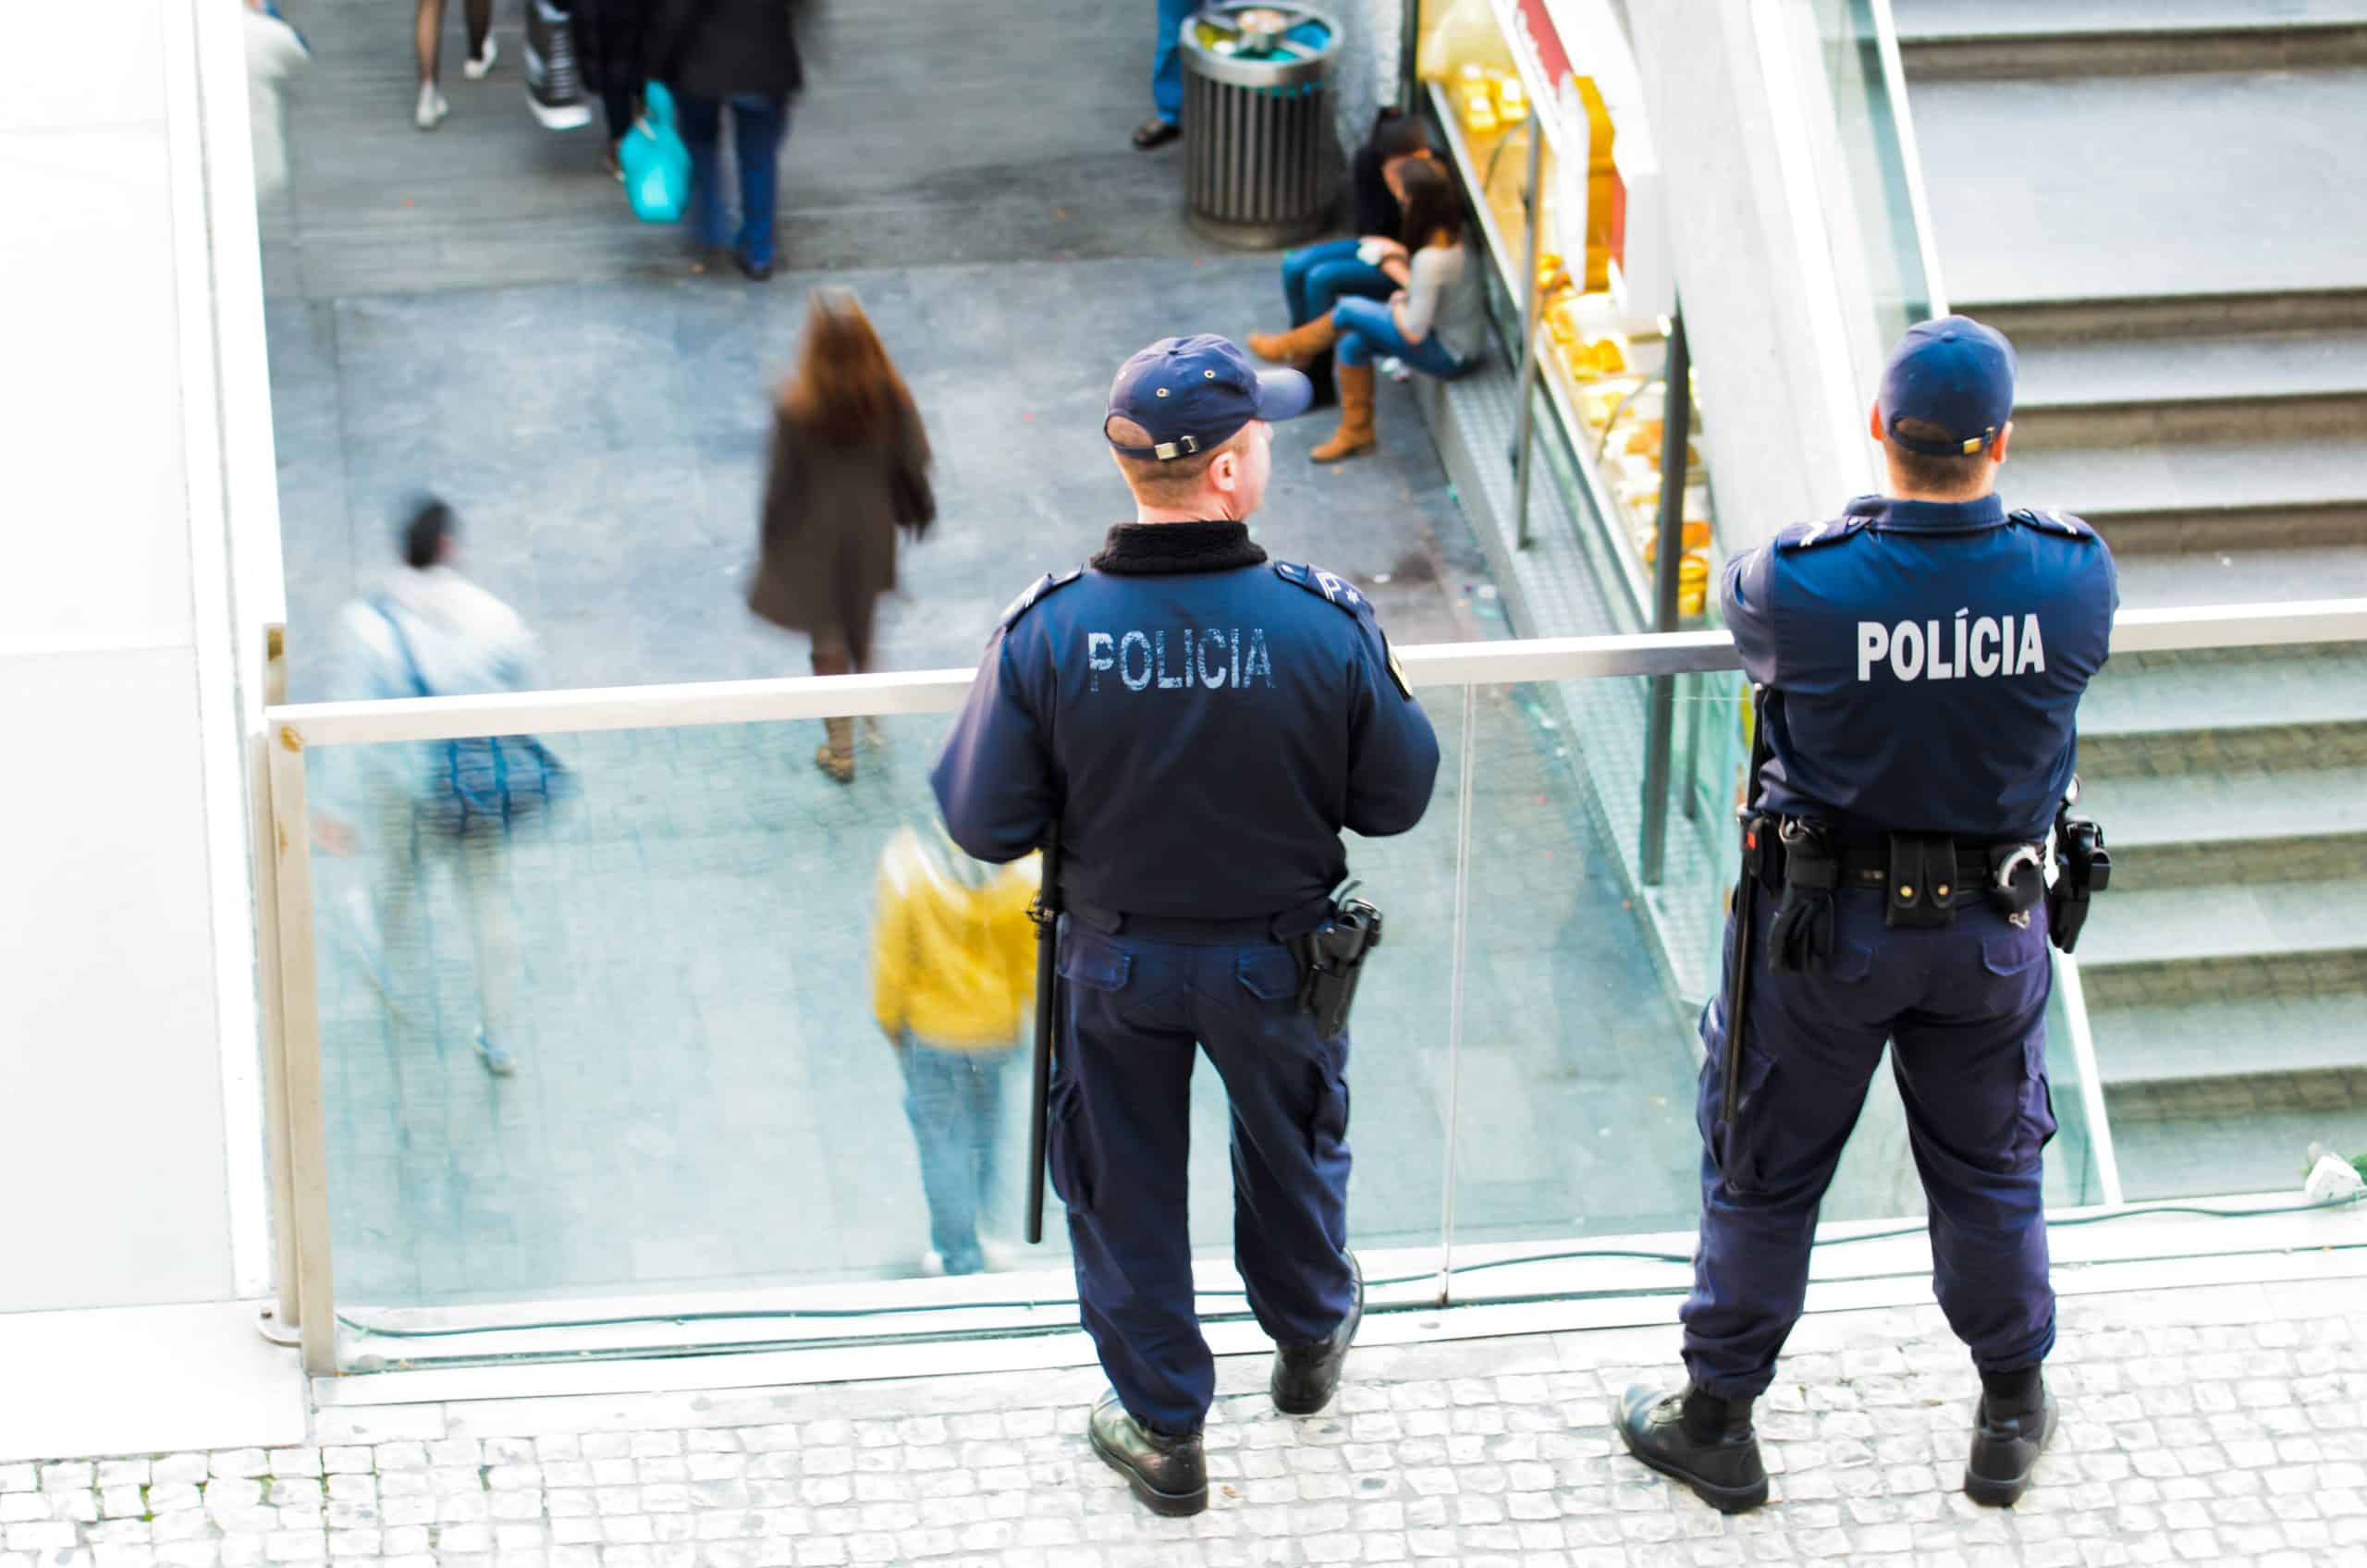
<point>2220,1426</point>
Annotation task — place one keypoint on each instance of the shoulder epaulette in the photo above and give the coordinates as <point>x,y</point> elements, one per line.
<point>1334,590</point>
<point>2062,524</point>
<point>1048,582</point>
<point>1811,535</point>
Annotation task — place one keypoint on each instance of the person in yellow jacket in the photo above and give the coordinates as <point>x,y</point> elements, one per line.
<point>953,981</point>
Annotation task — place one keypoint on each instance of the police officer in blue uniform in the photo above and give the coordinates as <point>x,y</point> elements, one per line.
<point>1201,723</point>
<point>1921,658</point>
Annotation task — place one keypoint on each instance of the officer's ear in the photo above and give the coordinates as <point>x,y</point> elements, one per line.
<point>1997,447</point>
<point>1224,470</point>
<point>1874,420</point>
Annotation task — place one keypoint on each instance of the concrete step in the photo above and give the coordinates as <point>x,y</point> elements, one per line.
<point>1998,39</point>
<point>2146,187</point>
<point>2180,937</point>
<point>2169,491</point>
<point>2176,317</point>
<point>2277,375</point>
<point>2188,832</point>
<point>2143,697</point>
<point>2239,1134</point>
<point>2204,1040</point>
<point>2166,578</point>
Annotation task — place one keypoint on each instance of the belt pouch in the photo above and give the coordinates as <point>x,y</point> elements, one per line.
<point>1921,892</point>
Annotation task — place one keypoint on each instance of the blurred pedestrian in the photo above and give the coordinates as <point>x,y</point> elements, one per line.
<point>740,56</point>
<point>554,77</point>
<point>427,631</point>
<point>1166,77</point>
<point>609,36</point>
<point>428,38</point>
<point>274,51</point>
<point>953,968</point>
<point>850,466</point>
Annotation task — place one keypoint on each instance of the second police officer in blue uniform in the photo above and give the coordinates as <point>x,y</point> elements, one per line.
<point>1201,723</point>
<point>1921,658</point>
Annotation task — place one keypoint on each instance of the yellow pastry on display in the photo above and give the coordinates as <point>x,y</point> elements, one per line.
<point>1478,110</point>
<point>1512,100</point>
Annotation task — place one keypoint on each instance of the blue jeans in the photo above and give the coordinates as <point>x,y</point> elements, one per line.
<point>1366,328</point>
<point>1136,1012</point>
<point>758,124</point>
<point>1167,58</point>
<point>1964,1011</point>
<point>1315,278</point>
<point>954,1098</point>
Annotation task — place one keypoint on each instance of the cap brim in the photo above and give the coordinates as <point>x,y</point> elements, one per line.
<point>1284,393</point>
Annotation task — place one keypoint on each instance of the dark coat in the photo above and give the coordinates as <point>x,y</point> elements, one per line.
<point>829,541</point>
<point>715,48</point>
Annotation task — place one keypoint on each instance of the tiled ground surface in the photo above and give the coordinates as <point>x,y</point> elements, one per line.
<point>2222,1425</point>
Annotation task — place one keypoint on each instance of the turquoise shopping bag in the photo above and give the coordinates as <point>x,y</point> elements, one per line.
<point>656,165</point>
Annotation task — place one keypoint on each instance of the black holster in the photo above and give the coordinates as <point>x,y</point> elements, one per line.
<point>1800,937</point>
<point>2082,867</point>
<point>1331,959</point>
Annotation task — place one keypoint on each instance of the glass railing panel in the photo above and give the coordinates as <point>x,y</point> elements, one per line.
<point>1879,159</point>
<point>679,957</point>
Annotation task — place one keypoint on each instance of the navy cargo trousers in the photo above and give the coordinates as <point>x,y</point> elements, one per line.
<point>1964,1009</point>
<point>1135,1013</point>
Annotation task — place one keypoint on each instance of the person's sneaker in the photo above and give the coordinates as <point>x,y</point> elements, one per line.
<point>553,86</point>
<point>432,107</point>
<point>1305,1376</point>
<point>2005,1447</point>
<point>1170,1474</point>
<point>1704,1441</point>
<point>932,1265</point>
<point>476,68</point>
<point>495,1056</point>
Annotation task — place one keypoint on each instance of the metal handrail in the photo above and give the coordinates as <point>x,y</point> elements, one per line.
<point>942,690</point>
<point>1910,156</point>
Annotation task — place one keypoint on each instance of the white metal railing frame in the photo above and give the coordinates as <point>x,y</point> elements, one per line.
<point>294,730</point>
<point>1910,156</point>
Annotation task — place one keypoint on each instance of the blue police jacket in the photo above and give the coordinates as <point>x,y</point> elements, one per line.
<point>1924,662</point>
<point>1202,721</point>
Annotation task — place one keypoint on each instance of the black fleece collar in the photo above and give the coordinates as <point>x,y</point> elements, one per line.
<point>1153,549</point>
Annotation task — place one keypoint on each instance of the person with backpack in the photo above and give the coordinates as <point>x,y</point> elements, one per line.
<point>455,805</point>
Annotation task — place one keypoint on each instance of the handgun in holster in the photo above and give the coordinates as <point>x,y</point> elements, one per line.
<point>2082,867</point>
<point>1331,960</point>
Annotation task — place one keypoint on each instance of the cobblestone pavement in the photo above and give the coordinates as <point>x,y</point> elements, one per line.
<point>2222,1425</point>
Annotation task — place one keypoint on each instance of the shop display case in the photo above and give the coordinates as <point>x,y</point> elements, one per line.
<point>1494,73</point>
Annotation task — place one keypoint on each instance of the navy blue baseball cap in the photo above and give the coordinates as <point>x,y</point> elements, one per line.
<point>1192,394</point>
<point>1953,373</point>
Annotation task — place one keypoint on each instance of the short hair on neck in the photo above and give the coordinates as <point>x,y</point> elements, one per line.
<point>431,525</point>
<point>1174,481</point>
<point>1954,473</point>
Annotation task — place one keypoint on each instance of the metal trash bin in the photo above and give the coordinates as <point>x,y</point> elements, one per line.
<point>1258,167</point>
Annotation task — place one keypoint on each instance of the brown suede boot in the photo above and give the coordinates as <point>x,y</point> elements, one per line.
<point>1354,438</point>
<point>835,756</point>
<point>1298,345</point>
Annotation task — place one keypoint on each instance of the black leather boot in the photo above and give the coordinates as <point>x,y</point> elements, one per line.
<point>1702,1441</point>
<point>1305,1376</point>
<point>2011,1427</point>
<point>1169,1475</point>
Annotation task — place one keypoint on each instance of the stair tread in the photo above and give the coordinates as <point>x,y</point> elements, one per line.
<point>2155,1043</point>
<point>2188,475</point>
<point>2202,182</point>
<point>1921,19</point>
<point>2325,687</point>
<point>2225,920</point>
<point>2169,369</point>
<point>2206,808</point>
<point>2167,579</point>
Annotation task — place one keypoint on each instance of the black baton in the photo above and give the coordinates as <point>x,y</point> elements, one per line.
<point>1757,841</point>
<point>1046,913</point>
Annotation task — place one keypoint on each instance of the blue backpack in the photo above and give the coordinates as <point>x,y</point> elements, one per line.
<point>480,782</point>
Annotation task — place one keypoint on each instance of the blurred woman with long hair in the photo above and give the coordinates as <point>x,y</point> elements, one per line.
<point>849,467</point>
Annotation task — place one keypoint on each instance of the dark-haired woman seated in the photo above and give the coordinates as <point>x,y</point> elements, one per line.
<point>1404,325</point>
<point>1372,266</point>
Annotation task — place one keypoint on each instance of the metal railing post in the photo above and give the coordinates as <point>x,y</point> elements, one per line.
<point>1676,430</point>
<point>285,1313</point>
<point>1524,440</point>
<point>301,1030</point>
<point>1468,752</point>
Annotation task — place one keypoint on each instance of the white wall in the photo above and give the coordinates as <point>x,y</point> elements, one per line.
<point>121,822</point>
